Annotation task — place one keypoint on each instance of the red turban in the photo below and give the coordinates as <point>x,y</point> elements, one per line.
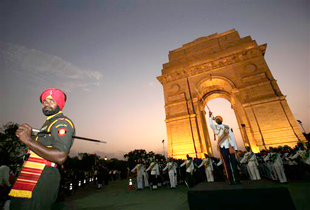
<point>57,95</point>
<point>219,118</point>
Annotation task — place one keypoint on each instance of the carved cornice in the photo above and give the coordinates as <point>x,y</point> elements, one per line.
<point>215,64</point>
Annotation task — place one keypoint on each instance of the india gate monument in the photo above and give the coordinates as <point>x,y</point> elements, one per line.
<point>229,67</point>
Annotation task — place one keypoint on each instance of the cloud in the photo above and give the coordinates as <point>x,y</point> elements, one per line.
<point>44,68</point>
<point>94,74</point>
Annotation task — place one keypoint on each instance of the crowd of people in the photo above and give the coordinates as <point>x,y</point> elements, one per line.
<point>279,164</point>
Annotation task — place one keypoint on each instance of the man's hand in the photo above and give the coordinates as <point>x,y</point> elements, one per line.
<point>23,133</point>
<point>210,114</point>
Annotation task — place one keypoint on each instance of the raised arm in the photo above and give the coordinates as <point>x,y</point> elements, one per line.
<point>212,124</point>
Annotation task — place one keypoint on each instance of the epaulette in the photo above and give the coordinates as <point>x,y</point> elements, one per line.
<point>56,120</point>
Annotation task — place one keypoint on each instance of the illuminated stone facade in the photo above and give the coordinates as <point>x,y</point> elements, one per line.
<point>224,66</point>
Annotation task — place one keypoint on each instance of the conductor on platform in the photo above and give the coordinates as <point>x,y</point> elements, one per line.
<point>227,145</point>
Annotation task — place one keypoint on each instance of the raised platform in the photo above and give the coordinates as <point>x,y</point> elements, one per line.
<point>249,195</point>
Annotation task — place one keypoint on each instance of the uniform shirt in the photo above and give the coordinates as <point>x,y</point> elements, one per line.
<point>207,162</point>
<point>249,157</point>
<point>304,154</point>
<point>57,132</point>
<point>220,130</point>
<point>286,159</point>
<point>276,159</point>
<point>154,167</point>
<point>171,166</point>
<point>267,157</point>
<point>139,168</point>
<point>189,166</point>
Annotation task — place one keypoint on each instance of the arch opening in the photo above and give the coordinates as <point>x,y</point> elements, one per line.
<point>220,105</point>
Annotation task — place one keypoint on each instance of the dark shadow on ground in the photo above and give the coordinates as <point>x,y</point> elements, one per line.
<point>116,196</point>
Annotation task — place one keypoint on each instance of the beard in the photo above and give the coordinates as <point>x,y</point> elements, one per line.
<point>48,111</point>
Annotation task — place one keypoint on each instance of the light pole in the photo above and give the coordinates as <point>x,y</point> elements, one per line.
<point>300,123</point>
<point>163,141</point>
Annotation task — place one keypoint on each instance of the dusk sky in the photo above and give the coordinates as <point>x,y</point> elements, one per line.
<point>106,56</point>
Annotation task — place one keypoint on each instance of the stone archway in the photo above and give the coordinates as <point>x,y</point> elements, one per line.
<point>227,66</point>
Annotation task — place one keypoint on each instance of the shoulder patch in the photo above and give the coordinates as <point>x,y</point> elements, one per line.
<point>62,131</point>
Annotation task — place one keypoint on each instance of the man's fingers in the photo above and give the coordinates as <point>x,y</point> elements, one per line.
<point>23,128</point>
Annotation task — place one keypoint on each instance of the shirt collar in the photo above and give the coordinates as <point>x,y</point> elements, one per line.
<point>50,117</point>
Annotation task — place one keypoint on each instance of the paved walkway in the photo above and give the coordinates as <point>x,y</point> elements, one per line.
<point>116,196</point>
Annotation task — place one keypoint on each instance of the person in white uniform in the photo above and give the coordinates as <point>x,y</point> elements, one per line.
<point>228,147</point>
<point>189,179</point>
<point>300,153</point>
<point>301,157</point>
<point>139,169</point>
<point>207,163</point>
<point>307,158</point>
<point>269,165</point>
<point>154,168</point>
<point>278,165</point>
<point>252,166</point>
<point>172,172</point>
<point>145,175</point>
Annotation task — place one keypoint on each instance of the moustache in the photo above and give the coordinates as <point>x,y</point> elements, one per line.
<point>47,108</point>
<point>48,111</point>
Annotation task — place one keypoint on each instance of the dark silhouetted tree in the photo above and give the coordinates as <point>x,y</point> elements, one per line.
<point>11,149</point>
